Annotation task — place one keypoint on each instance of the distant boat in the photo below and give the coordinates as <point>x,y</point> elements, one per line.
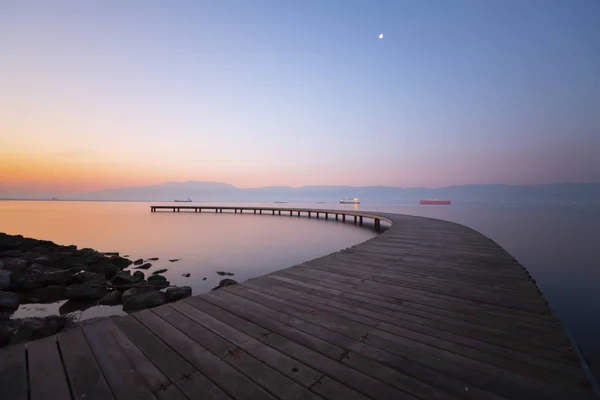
<point>54,199</point>
<point>188,200</point>
<point>435,202</point>
<point>350,201</point>
<point>281,202</point>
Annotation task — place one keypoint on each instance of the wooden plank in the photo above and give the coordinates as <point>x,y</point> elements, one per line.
<point>411,385</point>
<point>85,377</point>
<point>255,369</point>
<point>273,324</point>
<point>334,390</point>
<point>223,375</point>
<point>155,379</point>
<point>197,386</point>
<point>495,355</point>
<point>13,372</point>
<point>170,392</point>
<point>171,364</point>
<point>287,366</point>
<point>122,377</point>
<point>47,378</point>
<point>209,340</point>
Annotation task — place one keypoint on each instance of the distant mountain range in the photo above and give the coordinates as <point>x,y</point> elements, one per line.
<point>563,193</point>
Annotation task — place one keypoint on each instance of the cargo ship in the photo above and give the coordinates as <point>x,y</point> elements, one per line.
<point>188,200</point>
<point>435,202</point>
<point>350,201</point>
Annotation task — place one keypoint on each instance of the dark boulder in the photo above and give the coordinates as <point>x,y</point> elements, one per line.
<point>160,271</point>
<point>36,328</point>
<point>225,282</point>
<point>9,300</point>
<point>48,294</point>
<point>38,276</point>
<point>144,266</point>
<point>186,275</point>
<point>174,259</point>
<point>139,261</point>
<point>94,258</point>
<point>90,278</point>
<point>111,298</point>
<point>87,252</point>
<point>158,281</point>
<point>4,278</point>
<point>111,254</point>
<point>146,299</point>
<point>124,278</point>
<point>121,262</point>
<point>139,276</point>
<point>222,273</point>
<point>178,293</point>
<point>153,259</point>
<point>84,291</point>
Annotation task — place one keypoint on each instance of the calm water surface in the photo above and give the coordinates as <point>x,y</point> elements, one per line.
<point>559,245</point>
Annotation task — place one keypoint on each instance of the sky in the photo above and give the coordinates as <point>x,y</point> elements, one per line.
<point>106,94</point>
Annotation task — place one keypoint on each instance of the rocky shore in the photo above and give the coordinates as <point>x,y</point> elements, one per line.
<point>40,271</point>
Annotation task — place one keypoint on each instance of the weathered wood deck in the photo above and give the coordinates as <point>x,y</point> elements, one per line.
<point>427,310</point>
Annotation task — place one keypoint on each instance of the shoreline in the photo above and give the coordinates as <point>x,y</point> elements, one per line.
<point>34,271</point>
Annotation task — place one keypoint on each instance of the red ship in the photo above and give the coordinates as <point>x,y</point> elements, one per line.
<point>438,202</point>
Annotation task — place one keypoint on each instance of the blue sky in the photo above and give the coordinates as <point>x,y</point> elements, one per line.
<point>257,93</point>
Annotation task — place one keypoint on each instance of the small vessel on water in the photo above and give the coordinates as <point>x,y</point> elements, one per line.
<point>350,201</point>
<point>435,202</point>
<point>188,200</point>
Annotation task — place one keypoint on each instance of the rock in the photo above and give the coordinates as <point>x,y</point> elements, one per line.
<point>111,298</point>
<point>158,280</point>
<point>139,275</point>
<point>121,262</point>
<point>89,278</point>
<point>84,291</point>
<point>1,264</point>
<point>153,259</point>
<point>144,266</point>
<point>113,254</point>
<point>224,273</point>
<point>9,300</point>
<point>14,264</point>
<point>48,294</point>
<point>160,271</point>
<point>133,291</point>
<point>124,278</point>
<point>187,275</point>
<point>38,276</point>
<point>110,270</point>
<point>147,299</point>
<point>139,261</point>
<point>225,282</point>
<point>71,306</point>
<point>4,279</point>
<point>37,328</point>
<point>204,278</point>
<point>87,252</point>
<point>94,258</point>
<point>178,293</point>
<point>174,259</point>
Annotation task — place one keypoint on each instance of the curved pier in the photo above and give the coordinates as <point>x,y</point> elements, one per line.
<point>427,310</point>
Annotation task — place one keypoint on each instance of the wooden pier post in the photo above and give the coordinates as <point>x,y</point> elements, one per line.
<point>355,220</point>
<point>317,215</point>
<point>336,216</point>
<point>326,216</point>
<point>309,213</point>
<point>360,219</point>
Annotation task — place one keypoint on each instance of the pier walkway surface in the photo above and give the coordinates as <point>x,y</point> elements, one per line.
<point>426,310</point>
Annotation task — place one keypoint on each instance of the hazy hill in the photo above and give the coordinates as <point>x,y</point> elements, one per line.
<point>562,193</point>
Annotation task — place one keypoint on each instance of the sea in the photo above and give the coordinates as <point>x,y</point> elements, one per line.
<point>558,244</point>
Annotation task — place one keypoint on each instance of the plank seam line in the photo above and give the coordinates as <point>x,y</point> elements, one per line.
<point>228,354</point>
<point>347,351</point>
<point>27,379</point>
<point>62,364</point>
<point>97,363</point>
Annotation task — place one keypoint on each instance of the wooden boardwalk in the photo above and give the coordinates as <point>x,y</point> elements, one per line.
<point>426,310</point>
